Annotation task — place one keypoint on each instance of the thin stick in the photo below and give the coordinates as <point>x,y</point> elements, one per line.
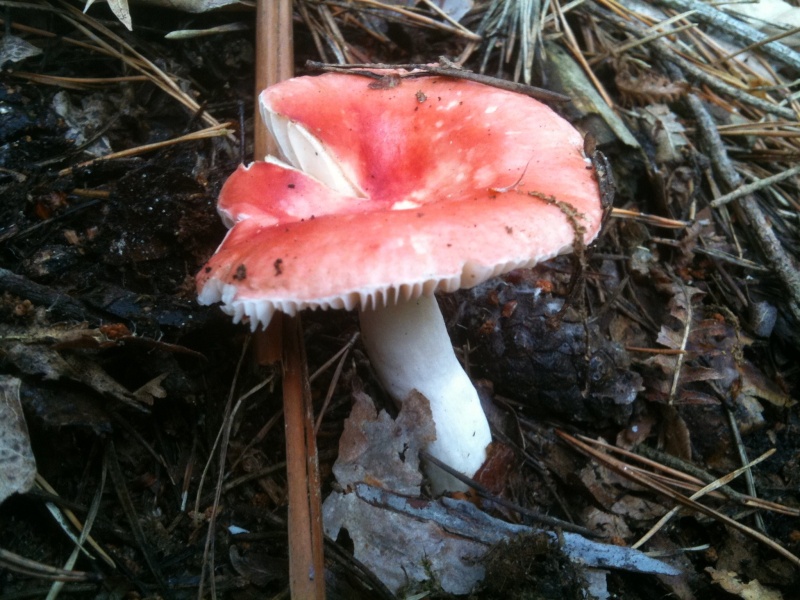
<point>274,62</point>
<point>736,28</point>
<point>221,441</point>
<point>446,68</point>
<point>306,562</point>
<point>773,250</point>
<point>458,30</point>
<point>676,375</point>
<point>622,469</point>
<point>748,473</point>
<point>654,35</point>
<point>42,483</point>
<point>754,45</point>
<point>78,83</point>
<point>699,494</point>
<point>655,220</point>
<point>334,380</point>
<point>572,45</point>
<point>57,586</point>
<point>24,566</point>
<point>208,132</point>
<point>470,35</point>
<point>132,58</point>
<point>666,52</point>
<point>754,187</point>
<point>486,494</point>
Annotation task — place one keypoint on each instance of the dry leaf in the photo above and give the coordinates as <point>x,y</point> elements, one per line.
<point>83,121</point>
<point>755,383</point>
<point>713,353</point>
<point>17,464</point>
<point>15,49</point>
<point>669,132</point>
<point>675,436</point>
<point>256,566</point>
<point>401,550</point>
<point>119,8</point>
<point>638,508</point>
<point>152,389</point>
<point>122,11</point>
<point>35,359</point>
<point>752,590</point>
<point>606,524</point>
<point>382,452</point>
<point>195,6</point>
<point>406,539</point>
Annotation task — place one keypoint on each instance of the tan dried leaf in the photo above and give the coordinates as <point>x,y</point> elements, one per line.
<point>150,390</point>
<point>752,590</point>
<point>36,359</point>
<point>675,436</point>
<point>666,130</point>
<point>606,524</point>
<point>755,383</point>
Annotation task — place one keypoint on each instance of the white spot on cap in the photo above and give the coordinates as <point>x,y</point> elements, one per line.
<point>490,109</point>
<point>405,205</point>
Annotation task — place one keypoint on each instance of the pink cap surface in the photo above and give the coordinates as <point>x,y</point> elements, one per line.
<point>441,170</point>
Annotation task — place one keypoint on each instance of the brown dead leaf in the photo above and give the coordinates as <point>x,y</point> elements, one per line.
<point>637,431</point>
<point>90,373</point>
<point>637,85</point>
<point>37,359</point>
<point>59,407</point>
<point>752,590</point>
<point>675,437</point>
<point>638,508</point>
<point>666,130</point>
<point>605,485</point>
<point>755,383</point>
<point>256,566</point>
<point>150,390</point>
<point>606,524</point>
<point>712,352</point>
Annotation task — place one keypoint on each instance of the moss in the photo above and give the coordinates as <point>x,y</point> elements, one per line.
<point>530,567</point>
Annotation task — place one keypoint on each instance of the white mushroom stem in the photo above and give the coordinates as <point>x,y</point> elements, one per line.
<point>410,350</point>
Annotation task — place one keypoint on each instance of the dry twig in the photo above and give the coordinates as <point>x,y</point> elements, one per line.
<point>653,485</point>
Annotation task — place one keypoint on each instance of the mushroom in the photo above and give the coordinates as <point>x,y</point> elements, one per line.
<point>387,193</point>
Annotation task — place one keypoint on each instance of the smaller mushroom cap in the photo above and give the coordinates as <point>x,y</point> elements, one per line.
<point>426,184</point>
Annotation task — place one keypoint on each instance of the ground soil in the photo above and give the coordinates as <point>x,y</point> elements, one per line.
<point>125,378</point>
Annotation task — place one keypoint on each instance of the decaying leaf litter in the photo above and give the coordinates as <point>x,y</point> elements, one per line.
<point>671,367</point>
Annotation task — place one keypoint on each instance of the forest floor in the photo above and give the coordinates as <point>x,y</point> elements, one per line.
<point>673,365</point>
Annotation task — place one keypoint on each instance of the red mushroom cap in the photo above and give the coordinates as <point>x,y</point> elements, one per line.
<point>433,178</point>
